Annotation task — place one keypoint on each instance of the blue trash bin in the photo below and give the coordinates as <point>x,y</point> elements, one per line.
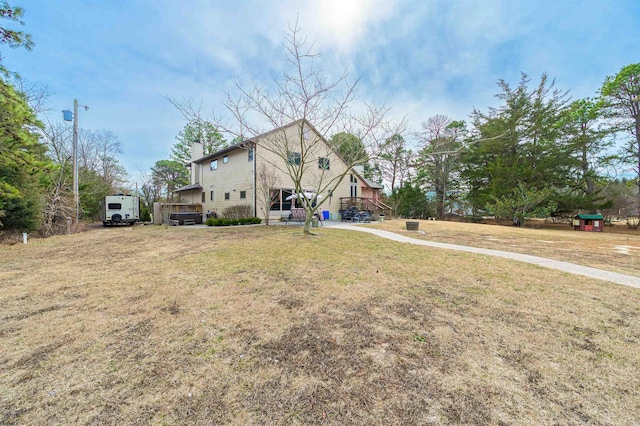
<point>325,214</point>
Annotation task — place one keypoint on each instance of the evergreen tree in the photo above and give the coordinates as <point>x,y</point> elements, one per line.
<point>518,143</point>
<point>589,143</point>
<point>22,163</point>
<point>438,159</point>
<point>622,104</point>
<point>394,160</point>
<point>409,201</point>
<point>168,174</point>
<point>350,148</point>
<point>174,169</point>
<point>202,132</point>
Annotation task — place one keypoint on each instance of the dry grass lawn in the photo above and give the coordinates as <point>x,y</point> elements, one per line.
<point>261,325</point>
<point>611,250</point>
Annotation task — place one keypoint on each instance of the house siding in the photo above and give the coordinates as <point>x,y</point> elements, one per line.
<point>232,177</point>
<point>317,148</point>
<point>238,173</point>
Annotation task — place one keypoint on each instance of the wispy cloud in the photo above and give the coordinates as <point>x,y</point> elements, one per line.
<point>423,57</point>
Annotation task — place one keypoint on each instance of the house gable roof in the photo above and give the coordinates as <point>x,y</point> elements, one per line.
<point>188,187</point>
<point>242,145</point>
<point>372,184</point>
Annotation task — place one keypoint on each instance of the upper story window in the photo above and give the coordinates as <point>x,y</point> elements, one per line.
<point>305,131</point>
<point>250,154</point>
<point>214,165</point>
<point>295,158</point>
<point>225,159</point>
<point>323,163</point>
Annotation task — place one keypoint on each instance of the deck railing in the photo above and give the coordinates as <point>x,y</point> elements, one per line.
<point>365,204</point>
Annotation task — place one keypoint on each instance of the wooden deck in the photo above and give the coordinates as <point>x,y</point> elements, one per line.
<point>373,207</point>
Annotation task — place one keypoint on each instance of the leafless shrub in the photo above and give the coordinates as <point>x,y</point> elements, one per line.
<point>237,212</point>
<point>267,179</point>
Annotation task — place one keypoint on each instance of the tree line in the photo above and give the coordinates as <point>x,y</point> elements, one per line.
<point>538,153</point>
<point>36,191</point>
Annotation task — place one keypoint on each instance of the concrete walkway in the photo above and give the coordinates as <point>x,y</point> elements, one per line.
<point>571,268</point>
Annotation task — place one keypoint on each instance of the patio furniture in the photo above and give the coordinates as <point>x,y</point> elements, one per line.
<point>297,214</point>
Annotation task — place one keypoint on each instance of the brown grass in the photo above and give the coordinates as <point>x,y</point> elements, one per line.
<point>613,250</point>
<point>261,325</point>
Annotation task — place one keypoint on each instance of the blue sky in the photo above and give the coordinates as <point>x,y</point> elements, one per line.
<point>423,57</point>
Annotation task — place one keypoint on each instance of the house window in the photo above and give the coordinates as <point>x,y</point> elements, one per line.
<point>279,199</point>
<point>227,196</point>
<point>354,186</point>
<point>323,163</point>
<point>225,159</point>
<point>211,196</point>
<point>305,132</point>
<point>204,197</point>
<point>287,204</point>
<point>295,158</point>
<point>243,195</point>
<point>214,165</point>
<point>275,199</point>
<point>250,154</point>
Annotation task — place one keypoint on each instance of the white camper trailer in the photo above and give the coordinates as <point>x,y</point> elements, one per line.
<point>120,209</point>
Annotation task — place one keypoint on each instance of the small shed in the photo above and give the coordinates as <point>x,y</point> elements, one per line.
<point>588,222</point>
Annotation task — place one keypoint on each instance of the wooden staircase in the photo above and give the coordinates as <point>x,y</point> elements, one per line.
<point>374,207</point>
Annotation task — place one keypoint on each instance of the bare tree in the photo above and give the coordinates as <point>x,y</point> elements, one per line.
<point>58,197</point>
<point>57,137</point>
<point>302,95</point>
<point>100,172</point>
<point>266,180</point>
<point>98,151</point>
<point>150,190</point>
<point>36,94</point>
<point>59,204</point>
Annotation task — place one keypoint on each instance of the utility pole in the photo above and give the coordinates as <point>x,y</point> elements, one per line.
<point>66,114</point>
<point>76,195</point>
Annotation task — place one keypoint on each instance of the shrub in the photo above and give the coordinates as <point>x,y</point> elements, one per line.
<point>411,202</point>
<point>231,222</point>
<point>238,211</point>
<point>145,214</point>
